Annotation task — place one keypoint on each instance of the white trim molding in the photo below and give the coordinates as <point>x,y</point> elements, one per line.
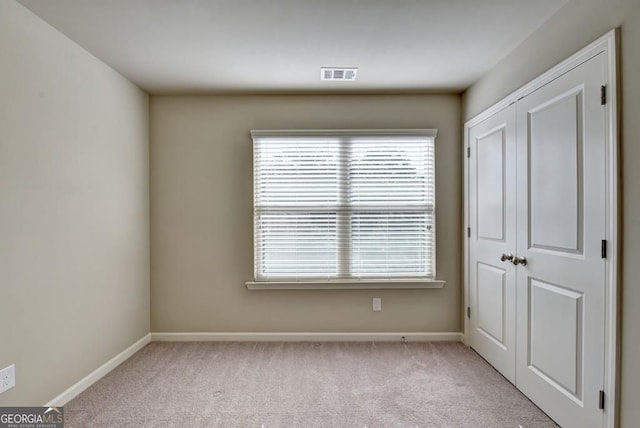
<point>607,45</point>
<point>256,133</point>
<point>98,373</point>
<point>306,337</point>
<point>345,284</point>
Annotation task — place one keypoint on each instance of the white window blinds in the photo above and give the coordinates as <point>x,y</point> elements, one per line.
<point>344,204</point>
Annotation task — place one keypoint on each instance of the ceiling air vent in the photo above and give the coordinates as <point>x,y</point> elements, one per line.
<point>338,73</point>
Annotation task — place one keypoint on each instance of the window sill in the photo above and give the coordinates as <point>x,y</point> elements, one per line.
<point>365,284</point>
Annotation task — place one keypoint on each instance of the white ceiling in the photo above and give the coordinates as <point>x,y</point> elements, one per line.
<point>216,46</point>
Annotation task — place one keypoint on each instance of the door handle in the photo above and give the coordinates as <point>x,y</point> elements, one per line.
<point>506,257</point>
<point>519,261</point>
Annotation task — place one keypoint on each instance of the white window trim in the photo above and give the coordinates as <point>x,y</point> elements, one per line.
<point>432,133</point>
<point>341,283</point>
<point>347,284</point>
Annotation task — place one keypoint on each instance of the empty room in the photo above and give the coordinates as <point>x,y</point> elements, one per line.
<point>319,213</point>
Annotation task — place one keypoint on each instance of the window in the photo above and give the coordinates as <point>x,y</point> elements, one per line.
<point>344,205</point>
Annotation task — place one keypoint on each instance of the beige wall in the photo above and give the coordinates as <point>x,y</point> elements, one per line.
<point>74,254</point>
<point>201,216</point>
<point>74,228</point>
<point>574,26</point>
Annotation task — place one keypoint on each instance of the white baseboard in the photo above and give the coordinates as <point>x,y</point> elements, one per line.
<point>98,373</point>
<point>306,337</point>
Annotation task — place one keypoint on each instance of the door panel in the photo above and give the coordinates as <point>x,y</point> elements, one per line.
<point>491,303</point>
<point>490,183</point>
<point>556,356</point>
<point>560,225</point>
<point>492,218</point>
<point>555,166</point>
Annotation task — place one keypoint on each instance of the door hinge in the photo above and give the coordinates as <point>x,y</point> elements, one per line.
<point>468,232</point>
<point>603,94</point>
<point>601,400</point>
<point>468,311</point>
<point>468,152</point>
<point>603,249</point>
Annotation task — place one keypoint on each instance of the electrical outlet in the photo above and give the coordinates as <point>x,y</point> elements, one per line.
<point>377,304</point>
<point>7,378</point>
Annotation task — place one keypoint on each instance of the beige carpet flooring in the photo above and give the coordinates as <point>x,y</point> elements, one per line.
<point>209,384</point>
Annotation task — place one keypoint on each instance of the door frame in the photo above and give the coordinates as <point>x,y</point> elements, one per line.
<point>608,45</point>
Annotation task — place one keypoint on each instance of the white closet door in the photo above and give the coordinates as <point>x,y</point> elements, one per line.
<point>561,222</point>
<point>492,212</point>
